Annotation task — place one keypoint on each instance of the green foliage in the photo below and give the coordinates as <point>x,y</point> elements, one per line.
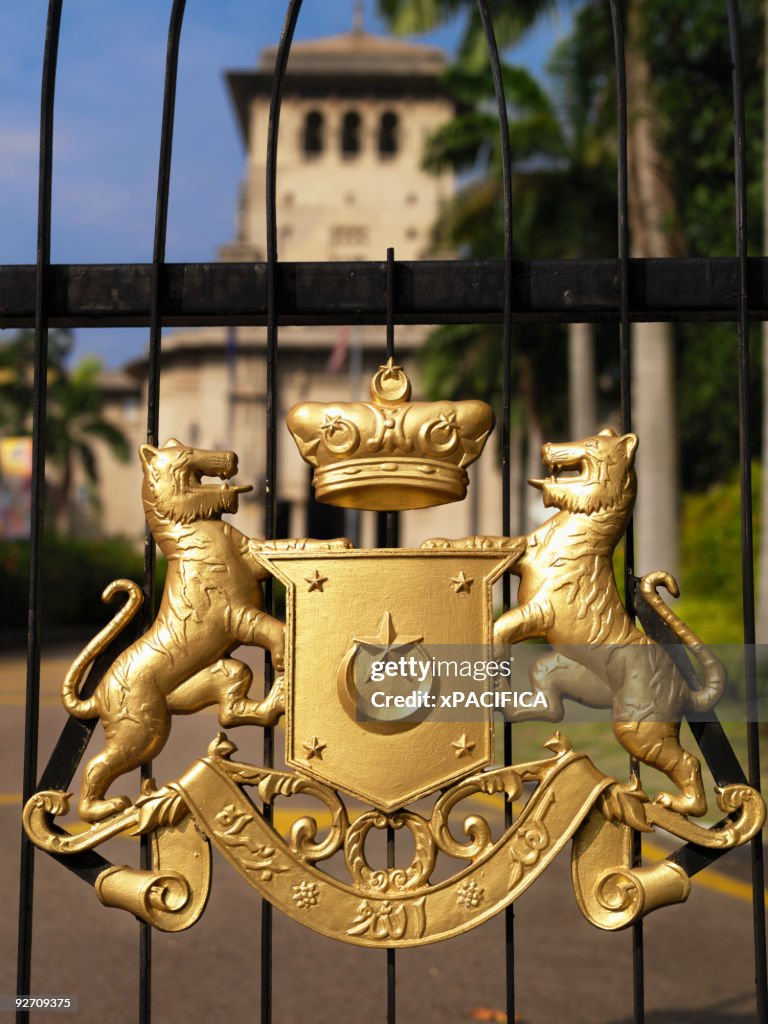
<point>17,356</point>
<point>464,361</point>
<point>563,205</point>
<point>708,407</point>
<point>710,561</point>
<point>711,546</point>
<point>510,21</point>
<point>563,160</point>
<point>710,554</point>
<point>73,411</point>
<point>75,418</point>
<point>688,49</point>
<point>75,573</point>
<point>564,194</point>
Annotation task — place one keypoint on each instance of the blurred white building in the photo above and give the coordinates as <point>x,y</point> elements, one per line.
<point>356,111</point>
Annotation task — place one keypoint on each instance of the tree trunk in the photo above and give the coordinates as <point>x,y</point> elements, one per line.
<point>654,421</point>
<point>516,482</point>
<point>532,510</point>
<point>62,491</point>
<point>653,398</point>
<point>582,397</point>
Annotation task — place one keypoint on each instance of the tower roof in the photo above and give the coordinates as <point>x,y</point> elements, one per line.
<point>354,64</point>
<point>359,52</point>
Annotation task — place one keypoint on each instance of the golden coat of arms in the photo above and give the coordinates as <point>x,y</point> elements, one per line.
<point>358,624</point>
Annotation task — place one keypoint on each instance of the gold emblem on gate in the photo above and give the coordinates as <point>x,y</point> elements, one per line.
<point>396,605</point>
<point>409,607</point>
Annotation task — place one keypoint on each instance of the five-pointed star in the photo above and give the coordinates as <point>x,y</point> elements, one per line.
<point>316,581</point>
<point>390,370</point>
<point>463,747</point>
<point>314,748</point>
<point>332,424</point>
<point>388,637</point>
<point>462,583</point>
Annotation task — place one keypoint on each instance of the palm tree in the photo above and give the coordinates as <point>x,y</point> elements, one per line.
<point>561,150</point>
<point>651,217</point>
<point>510,21</point>
<point>652,221</point>
<point>74,419</point>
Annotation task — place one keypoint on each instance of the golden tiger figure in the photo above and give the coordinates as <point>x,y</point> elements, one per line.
<point>212,603</point>
<point>568,596</point>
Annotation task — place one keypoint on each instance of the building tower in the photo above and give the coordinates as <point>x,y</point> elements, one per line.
<point>356,111</point>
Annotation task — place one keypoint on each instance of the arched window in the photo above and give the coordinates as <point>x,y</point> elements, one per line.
<point>350,134</point>
<point>313,133</point>
<point>388,132</point>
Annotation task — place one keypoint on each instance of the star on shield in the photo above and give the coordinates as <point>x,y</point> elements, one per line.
<point>316,581</point>
<point>462,584</point>
<point>314,748</point>
<point>384,605</point>
<point>387,638</point>
<point>463,747</point>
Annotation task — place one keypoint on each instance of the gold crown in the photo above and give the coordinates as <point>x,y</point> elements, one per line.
<point>390,453</point>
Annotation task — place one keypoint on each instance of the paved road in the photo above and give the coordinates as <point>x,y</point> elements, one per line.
<point>698,956</point>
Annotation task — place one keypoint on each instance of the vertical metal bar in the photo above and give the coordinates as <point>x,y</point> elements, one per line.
<point>745,470</point>
<point>617,25</point>
<point>506,507</point>
<point>153,416</point>
<point>390,303</point>
<point>391,534</point>
<point>391,519</point>
<point>617,22</point>
<point>272,400</point>
<point>39,397</point>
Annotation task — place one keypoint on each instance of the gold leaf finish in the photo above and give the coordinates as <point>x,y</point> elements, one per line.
<point>391,603</point>
<point>390,453</point>
<point>568,596</point>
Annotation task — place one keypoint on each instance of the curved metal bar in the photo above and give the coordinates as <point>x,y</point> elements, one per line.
<point>617,26</point>
<point>506,493</point>
<point>625,363</point>
<point>158,260</point>
<point>39,400</point>
<point>270,476</point>
<point>617,8</point>
<point>506,173</point>
<point>281,61</point>
<point>75,735</point>
<point>153,414</point>
<point>747,547</point>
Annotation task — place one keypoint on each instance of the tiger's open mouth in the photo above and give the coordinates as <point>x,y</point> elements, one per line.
<point>561,470</point>
<point>226,486</point>
<point>222,467</point>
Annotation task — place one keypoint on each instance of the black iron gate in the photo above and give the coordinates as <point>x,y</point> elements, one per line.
<point>274,294</point>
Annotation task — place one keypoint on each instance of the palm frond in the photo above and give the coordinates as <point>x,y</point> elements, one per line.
<point>459,143</point>
<point>413,17</point>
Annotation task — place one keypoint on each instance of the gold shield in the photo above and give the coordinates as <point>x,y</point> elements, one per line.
<point>336,601</point>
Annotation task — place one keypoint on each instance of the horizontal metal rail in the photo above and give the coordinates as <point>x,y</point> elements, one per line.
<point>427,292</point>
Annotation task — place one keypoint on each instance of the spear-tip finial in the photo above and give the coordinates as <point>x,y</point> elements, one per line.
<point>357,18</point>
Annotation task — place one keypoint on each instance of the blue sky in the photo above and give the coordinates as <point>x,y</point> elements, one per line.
<point>108,104</point>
